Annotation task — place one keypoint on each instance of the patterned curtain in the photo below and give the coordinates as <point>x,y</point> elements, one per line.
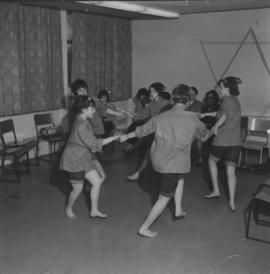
<point>101,53</point>
<point>31,78</point>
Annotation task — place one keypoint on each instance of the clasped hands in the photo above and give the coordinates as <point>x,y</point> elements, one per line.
<point>208,114</point>
<point>121,137</point>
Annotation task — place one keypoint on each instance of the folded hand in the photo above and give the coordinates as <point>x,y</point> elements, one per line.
<point>116,137</point>
<point>123,138</point>
<point>200,115</point>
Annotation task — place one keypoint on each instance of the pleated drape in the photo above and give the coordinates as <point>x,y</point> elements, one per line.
<point>101,53</point>
<point>31,75</point>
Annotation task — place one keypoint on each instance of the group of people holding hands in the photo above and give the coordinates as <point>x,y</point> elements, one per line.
<point>170,124</point>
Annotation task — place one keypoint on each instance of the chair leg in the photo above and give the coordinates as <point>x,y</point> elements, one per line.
<point>16,166</point>
<point>3,162</point>
<point>256,211</point>
<point>37,155</point>
<point>248,219</point>
<point>53,151</point>
<point>50,151</point>
<point>112,146</point>
<point>240,158</point>
<point>27,162</point>
<point>261,151</point>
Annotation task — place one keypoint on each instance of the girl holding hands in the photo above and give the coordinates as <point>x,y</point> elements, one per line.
<point>79,158</point>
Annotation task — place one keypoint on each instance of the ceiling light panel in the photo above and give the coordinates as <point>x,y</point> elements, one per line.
<point>128,6</point>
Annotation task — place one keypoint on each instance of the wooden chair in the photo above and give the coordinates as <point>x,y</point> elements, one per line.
<point>257,215</point>
<point>257,137</point>
<point>47,131</point>
<point>16,152</point>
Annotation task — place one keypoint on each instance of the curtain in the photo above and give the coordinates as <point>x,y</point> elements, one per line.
<point>101,53</point>
<point>31,78</point>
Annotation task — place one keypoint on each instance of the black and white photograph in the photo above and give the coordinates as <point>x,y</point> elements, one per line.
<point>135,137</point>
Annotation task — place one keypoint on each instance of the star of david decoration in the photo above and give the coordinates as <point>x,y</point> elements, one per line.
<point>256,42</point>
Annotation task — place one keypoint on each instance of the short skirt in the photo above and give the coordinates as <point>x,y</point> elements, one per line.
<point>77,162</point>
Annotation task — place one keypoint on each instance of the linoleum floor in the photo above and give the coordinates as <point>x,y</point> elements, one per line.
<point>36,237</point>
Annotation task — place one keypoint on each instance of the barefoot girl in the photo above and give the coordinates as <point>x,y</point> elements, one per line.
<point>79,159</point>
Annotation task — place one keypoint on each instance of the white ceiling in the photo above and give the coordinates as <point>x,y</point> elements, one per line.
<point>199,6</point>
<point>181,7</point>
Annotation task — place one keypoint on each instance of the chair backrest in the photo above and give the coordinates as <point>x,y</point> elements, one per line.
<point>257,129</point>
<point>258,124</point>
<point>7,127</point>
<point>43,120</point>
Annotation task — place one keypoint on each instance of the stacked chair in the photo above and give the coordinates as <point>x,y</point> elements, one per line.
<point>16,152</point>
<point>257,137</point>
<point>47,131</point>
<point>257,215</point>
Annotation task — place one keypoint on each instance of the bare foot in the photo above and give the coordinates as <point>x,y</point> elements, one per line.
<point>98,215</point>
<point>69,213</point>
<point>232,207</point>
<point>147,233</point>
<point>180,215</point>
<point>135,176</point>
<point>212,195</point>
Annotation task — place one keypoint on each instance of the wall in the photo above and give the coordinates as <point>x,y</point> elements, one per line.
<point>170,51</point>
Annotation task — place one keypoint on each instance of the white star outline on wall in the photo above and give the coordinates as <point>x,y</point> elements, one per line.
<point>257,44</point>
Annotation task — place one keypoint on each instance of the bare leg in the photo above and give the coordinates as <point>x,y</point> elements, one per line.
<point>100,171</point>
<point>231,185</point>
<point>214,176</point>
<point>178,199</point>
<point>73,196</point>
<point>154,213</point>
<point>96,181</point>
<point>136,175</point>
<point>199,147</point>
